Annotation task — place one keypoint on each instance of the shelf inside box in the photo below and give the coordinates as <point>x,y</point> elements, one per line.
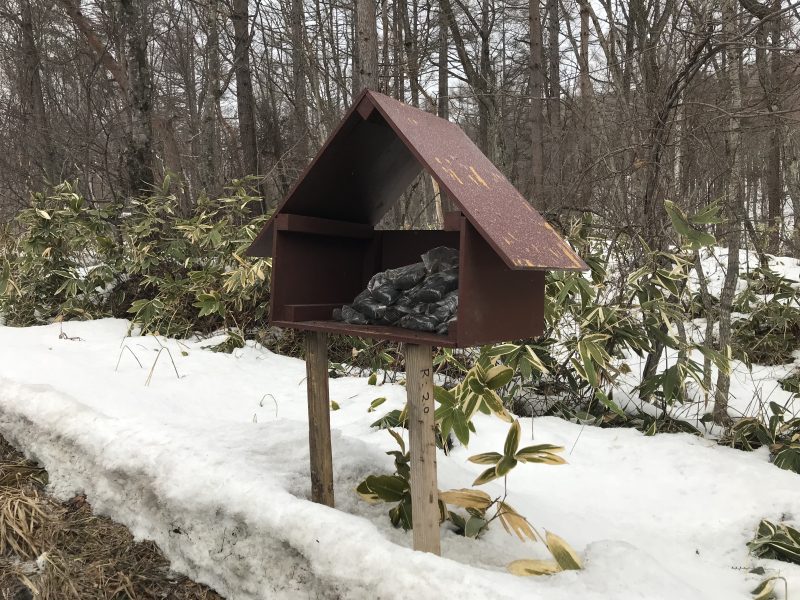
<point>380,332</point>
<point>310,312</point>
<point>318,226</point>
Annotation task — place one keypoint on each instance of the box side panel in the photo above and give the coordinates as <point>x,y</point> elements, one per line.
<point>373,332</point>
<point>315,270</point>
<point>496,304</point>
<point>400,248</point>
<point>358,177</point>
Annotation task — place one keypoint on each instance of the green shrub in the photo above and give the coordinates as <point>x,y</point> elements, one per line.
<point>190,272</point>
<point>63,258</point>
<point>770,331</point>
<point>779,542</point>
<point>778,430</point>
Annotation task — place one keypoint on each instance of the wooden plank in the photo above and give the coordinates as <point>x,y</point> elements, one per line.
<point>375,332</point>
<point>400,248</point>
<point>319,226</point>
<point>319,417</point>
<point>315,269</point>
<point>365,108</point>
<point>452,221</point>
<point>485,284</point>
<point>310,312</point>
<point>422,440</point>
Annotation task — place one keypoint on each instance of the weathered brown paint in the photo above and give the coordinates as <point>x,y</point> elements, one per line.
<point>399,248</point>
<point>375,332</point>
<point>378,150</point>
<point>422,449</point>
<point>508,222</point>
<point>320,265</point>
<point>325,247</point>
<point>319,419</point>
<point>495,303</point>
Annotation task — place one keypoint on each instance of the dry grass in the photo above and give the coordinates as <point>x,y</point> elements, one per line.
<point>55,551</point>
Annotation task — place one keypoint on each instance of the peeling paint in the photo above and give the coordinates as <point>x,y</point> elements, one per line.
<point>454,176</point>
<point>478,178</point>
<point>507,221</point>
<point>571,256</point>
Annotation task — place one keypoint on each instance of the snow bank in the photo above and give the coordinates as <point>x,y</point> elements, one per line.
<point>213,466</point>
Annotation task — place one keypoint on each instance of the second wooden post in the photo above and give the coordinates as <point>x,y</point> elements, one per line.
<point>422,438</point>
<point>319,417</point>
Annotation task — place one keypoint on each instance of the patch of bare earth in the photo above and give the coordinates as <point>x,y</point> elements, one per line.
<point>61,551</point>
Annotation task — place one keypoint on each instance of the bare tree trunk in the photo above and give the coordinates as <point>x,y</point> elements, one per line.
<point>734,200</point>
<point>245,99</point>
<point>164,131</point>
<point>769,79</point>
<point>426,201</point>
<point>33,97</point>
<point>793,187</point>
<point>480,80</point>
<point>194,100</point>
<point>410,44</point>
<point>443,102</point>
<point>487,105</point>
<point>444,204</point>
<point>722,392</point>
<point>774,187</point>
<point>140,95</point>
<point>586,107</point>
<point>210,147</point>
<point>367,43</point>
<point>552,175</point>
<point>274,139</point>
<point>300,119</point>
<point>397,216</point>
<point>398,53</point>
<point>537,105</point>
<point>134,170</point>
<point>97,46</point>
<point>386,73</point>
<point>773,167</point>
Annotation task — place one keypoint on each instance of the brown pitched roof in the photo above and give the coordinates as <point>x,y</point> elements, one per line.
<point>377,151</point>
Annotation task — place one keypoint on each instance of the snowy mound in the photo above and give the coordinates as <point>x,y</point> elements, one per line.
<point>213,466</point>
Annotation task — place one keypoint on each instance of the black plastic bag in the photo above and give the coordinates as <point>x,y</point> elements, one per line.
<point>385,294</point>
<point>394,313</point>
<point>435,287</point>
<point>404,278</point>
<point>401,278</point>
<point>422,296</point>
<point>440,259</point>
<point>370,308</point>
<point>418,322</point>
<point>444,328</point>
<point>352,316</point>
<point>446,308</point>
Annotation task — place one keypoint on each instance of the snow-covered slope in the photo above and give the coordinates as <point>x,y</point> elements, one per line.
<point>213,466</point>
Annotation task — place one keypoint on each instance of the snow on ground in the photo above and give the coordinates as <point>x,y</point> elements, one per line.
<point>751,390</point>
<point>213,466</point>
<point>715,260</point>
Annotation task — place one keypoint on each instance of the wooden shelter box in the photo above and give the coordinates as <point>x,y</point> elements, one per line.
<point>325,248</point>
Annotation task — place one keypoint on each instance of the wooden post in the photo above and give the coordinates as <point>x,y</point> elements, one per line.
<point>319,417</point>
<point>422,437</point>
